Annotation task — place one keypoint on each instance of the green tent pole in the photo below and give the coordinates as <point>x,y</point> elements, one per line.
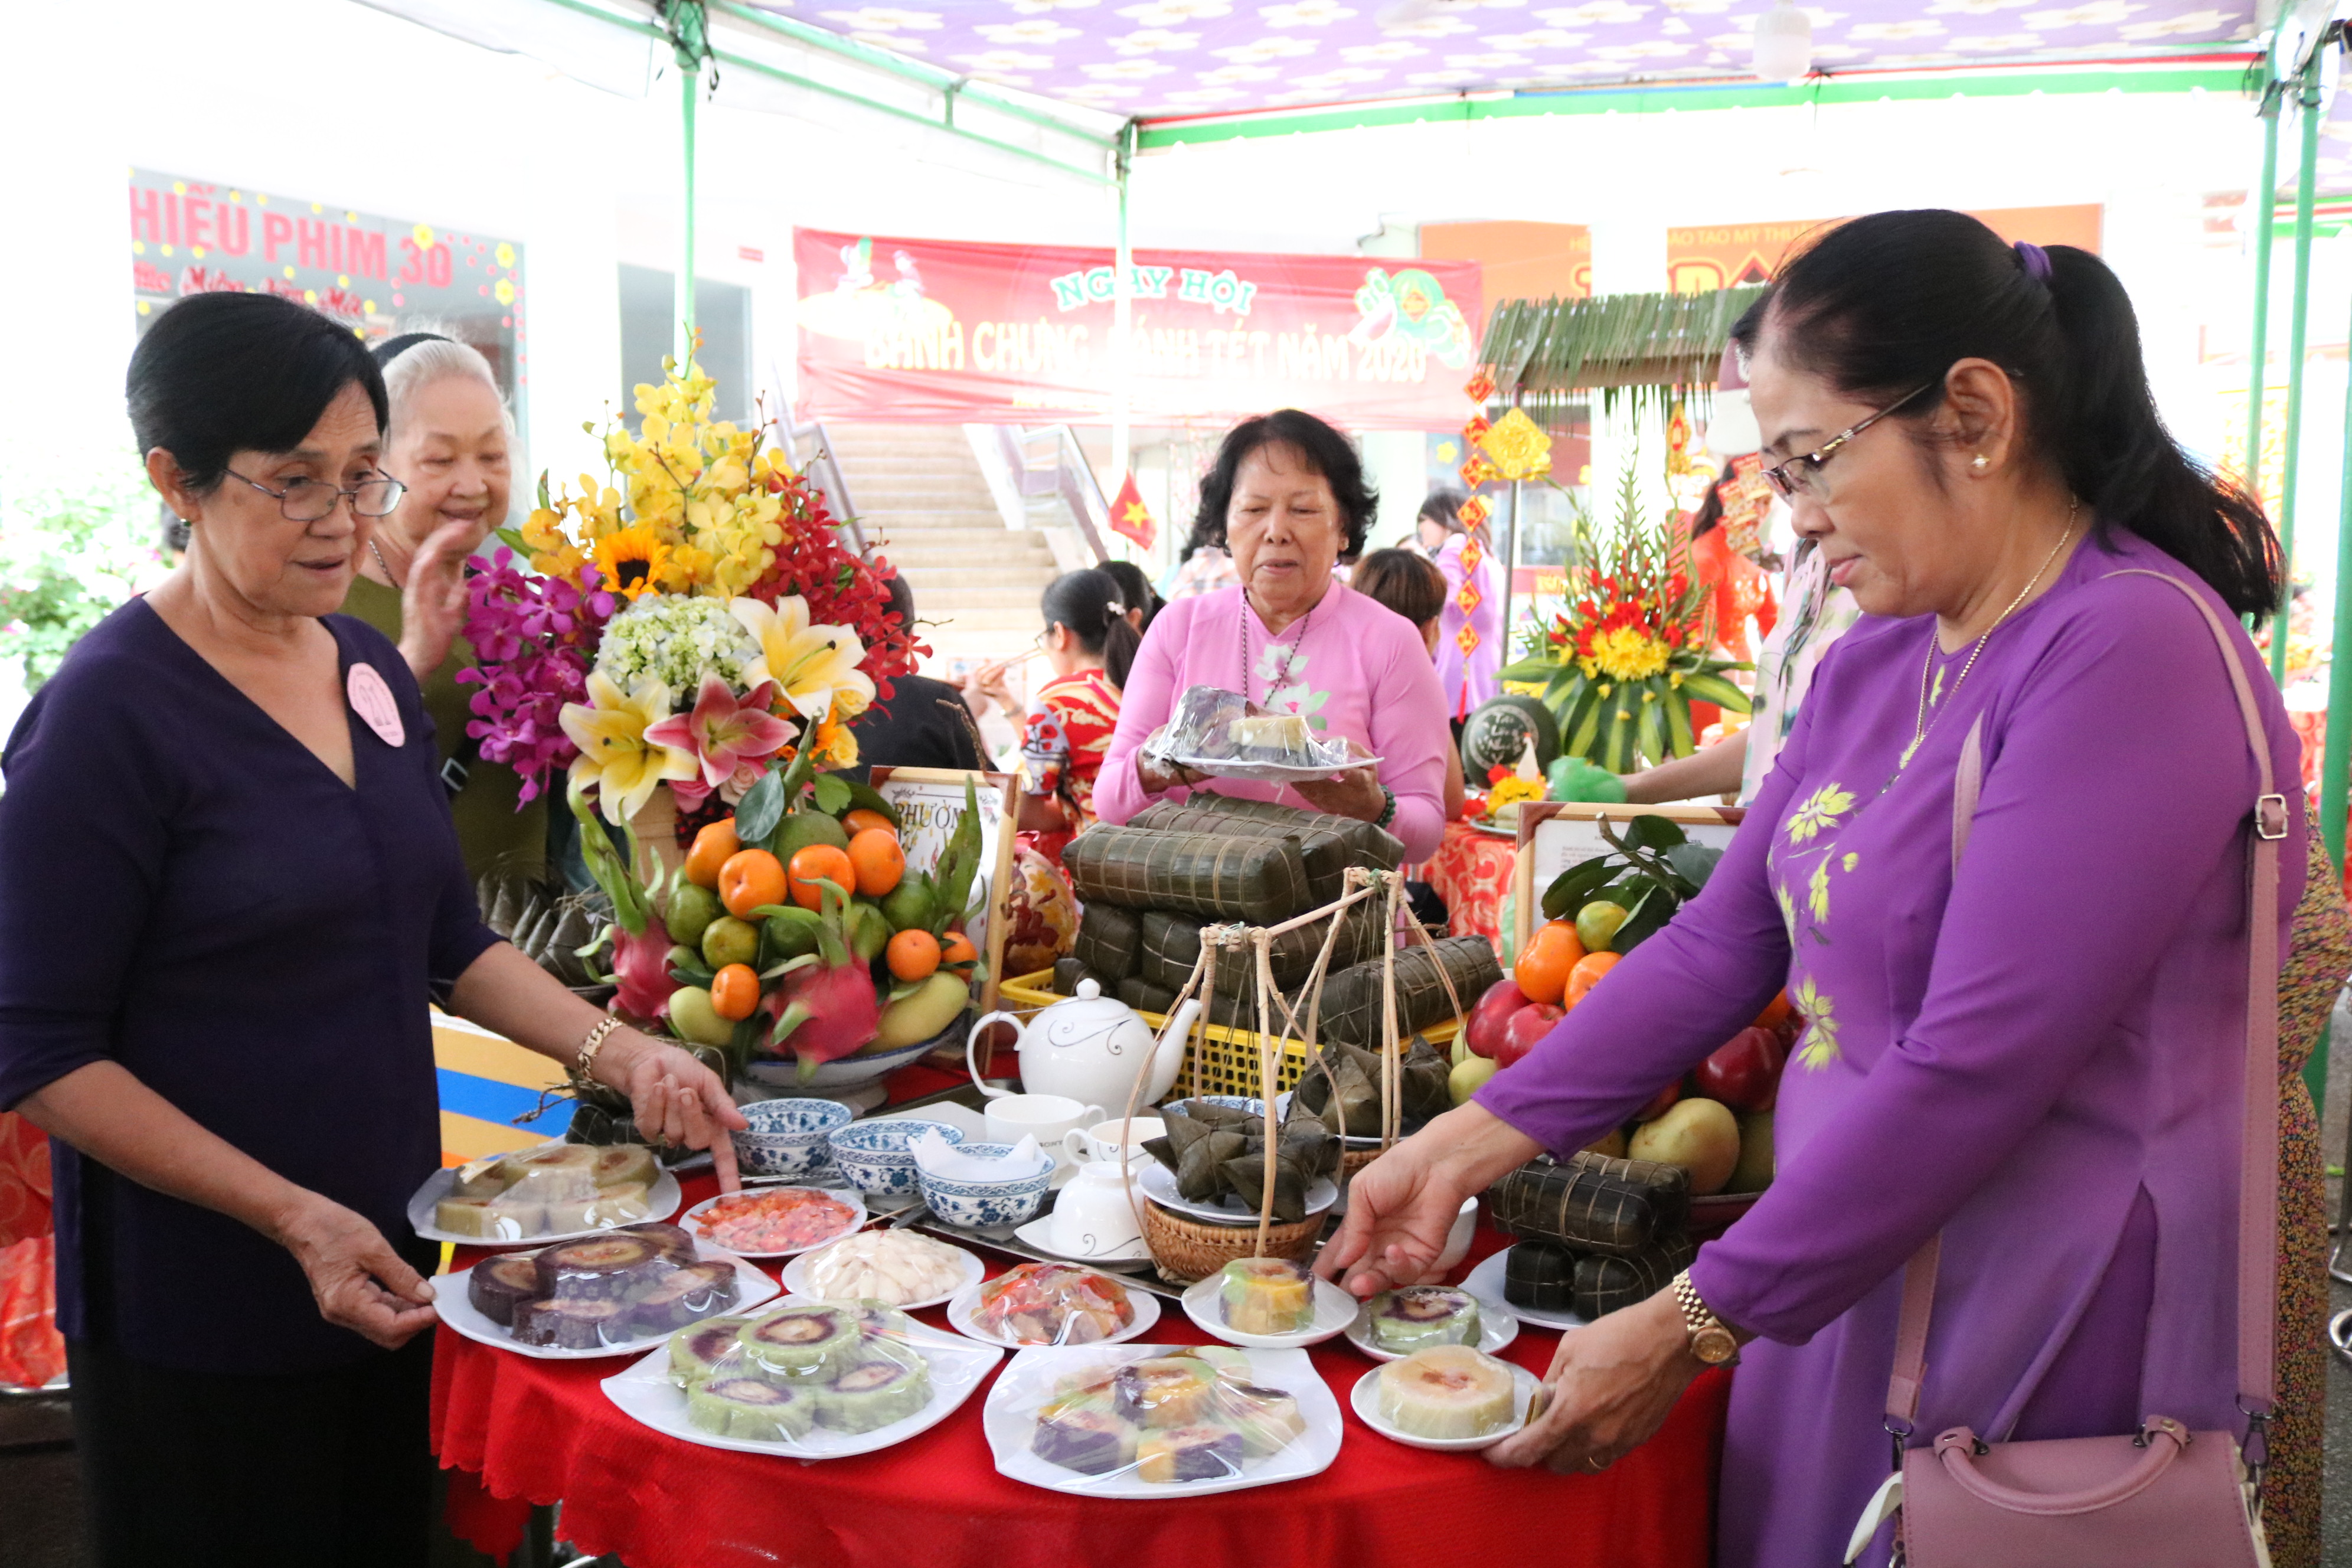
<point>690,41</point>
<point>2307,100</point>
<point>2335,759</point>
<point>2263,201</point>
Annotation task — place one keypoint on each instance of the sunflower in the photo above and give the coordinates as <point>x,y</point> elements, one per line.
<point>630,561</point>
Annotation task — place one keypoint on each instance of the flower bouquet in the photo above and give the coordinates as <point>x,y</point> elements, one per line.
<point>688,647</point>
<point>1622,663</point>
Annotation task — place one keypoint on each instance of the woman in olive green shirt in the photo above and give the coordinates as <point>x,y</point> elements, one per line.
<point>450,444</point>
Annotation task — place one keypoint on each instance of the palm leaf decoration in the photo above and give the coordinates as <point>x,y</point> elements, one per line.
<point>1652,348</point>
<point>1622,665</point>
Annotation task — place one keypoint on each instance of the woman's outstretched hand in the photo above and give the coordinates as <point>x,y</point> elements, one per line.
<point>433,600</point>
<point>678,1100</point>
<point>1401,1205</point>
<point>1613,1382</point>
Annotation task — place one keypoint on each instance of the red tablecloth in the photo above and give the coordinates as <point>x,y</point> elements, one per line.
<point>537,1431</point>
<point>1471,872</point>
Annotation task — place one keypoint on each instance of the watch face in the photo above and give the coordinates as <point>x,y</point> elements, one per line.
<point>1714,1346</point>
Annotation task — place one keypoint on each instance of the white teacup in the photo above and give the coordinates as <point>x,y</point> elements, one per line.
<point>1094,1217</point>
<point>1045,1116</point>
<point>1101,1141</point>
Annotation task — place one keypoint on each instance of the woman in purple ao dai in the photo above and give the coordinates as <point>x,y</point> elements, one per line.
<point>2037,1055</point>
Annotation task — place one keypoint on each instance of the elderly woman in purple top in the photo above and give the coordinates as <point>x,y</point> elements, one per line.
<point>2036,1054</point>
<point>229,887</point>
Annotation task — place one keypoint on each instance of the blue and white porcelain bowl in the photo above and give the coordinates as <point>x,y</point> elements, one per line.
<point>973,1204</point>
<point>788,1137</point>
<point>872,1156</point>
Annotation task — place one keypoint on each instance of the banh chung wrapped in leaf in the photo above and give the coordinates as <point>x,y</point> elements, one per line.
<point>1068,971</point>
<point>1367,845</point>
<point>1545,1275</point>
<point>1353,1010</point>
<point>1259,881</point>
<point>1215,1151</point>
<point>1342,1088</point>
<point>1326,852</point>
<point>1171,945</point>
<point>1108,940</point>
<point>1593,1202</point>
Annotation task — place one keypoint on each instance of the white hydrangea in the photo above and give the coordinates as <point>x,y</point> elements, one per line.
<point>680,639</point>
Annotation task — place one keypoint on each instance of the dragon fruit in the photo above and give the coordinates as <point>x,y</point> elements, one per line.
<point>826,1007</point>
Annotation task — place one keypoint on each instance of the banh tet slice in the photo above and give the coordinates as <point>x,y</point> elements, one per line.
<point>492,1219</point>
<point>600,1265</point>
<point>572,1323</point>
<point>1202,1453</point>
<point>684,1296</point>
<point>1446,1391</point>
<point>870,1394</point>
<point>746,1408</point>
<point>497,1285</point>
<point>696,1354</point>
<point>800,1343</point>
<point>1419,1316</point>
<point>598,1207</point>
<point>1086,1438</point>
<point>1267,1296</point>
<point>1165,1391</point>
<point>625,1165</point>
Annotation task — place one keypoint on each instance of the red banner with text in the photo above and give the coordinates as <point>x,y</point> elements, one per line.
<point>946,331</point>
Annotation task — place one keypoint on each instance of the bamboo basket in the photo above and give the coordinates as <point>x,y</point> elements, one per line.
<point>1185,1251</point>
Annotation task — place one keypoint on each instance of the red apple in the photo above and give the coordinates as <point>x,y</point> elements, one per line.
<point>1661,1102</point>
<point>1528,1024</point>
<point>1744,1070</point>
<point>1483,1033</point>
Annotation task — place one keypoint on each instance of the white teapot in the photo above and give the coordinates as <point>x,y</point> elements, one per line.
<point>1091,1047</point>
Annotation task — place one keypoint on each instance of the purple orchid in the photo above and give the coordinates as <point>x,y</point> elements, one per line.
<point>724,730</point>
<point>535,640</point>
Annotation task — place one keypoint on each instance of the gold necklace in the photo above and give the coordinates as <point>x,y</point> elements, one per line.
<point>1919,730</point>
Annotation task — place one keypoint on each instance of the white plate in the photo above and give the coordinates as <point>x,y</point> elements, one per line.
<point>1497,1326</point>
<point>1142,1305</point>
<point>796,1278</point>
<point>1334,1310</point>
<point>1009,1421</point>
<point>663,1196</point>
<point>449,1298</point>
<point>1485,1282</point>
<point>848,1195</point>
<point>1367,1401</point>
<point>1039,1234</point>
<point>646,1393</point>
<point>1159,1185</point>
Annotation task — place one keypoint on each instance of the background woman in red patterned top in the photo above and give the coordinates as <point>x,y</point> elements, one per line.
<point>1089,642</point>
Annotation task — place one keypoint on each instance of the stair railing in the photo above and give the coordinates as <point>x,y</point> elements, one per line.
<point>823,468</point>
<point>1047,466</point>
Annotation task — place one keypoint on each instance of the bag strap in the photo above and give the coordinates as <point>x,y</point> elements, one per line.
<point>2258,1143</point>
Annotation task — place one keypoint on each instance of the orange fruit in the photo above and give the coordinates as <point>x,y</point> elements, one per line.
<point>878,861</point>
<point>864,818</point>
<point>1776,1013</point>
<point>912,954</point>
<point>814,861</point>
<point>712,846</point>
<point>734,992</point>
<point>1587,974</point>
<point>749,878</point>
<point>956,949</point>
<point>1542,970</point>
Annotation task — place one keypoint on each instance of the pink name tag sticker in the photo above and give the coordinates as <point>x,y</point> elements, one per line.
<point>372,699</point>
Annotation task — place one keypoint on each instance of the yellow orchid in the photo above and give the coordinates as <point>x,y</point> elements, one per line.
<point>815,667</point>
<point>614,755</point>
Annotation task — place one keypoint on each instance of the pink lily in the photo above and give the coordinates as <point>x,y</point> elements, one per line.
<point>724,730</point>
<point>641,968</point>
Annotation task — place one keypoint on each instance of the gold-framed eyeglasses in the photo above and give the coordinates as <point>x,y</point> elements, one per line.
<point>308,500</point>
<point>1801,475</point>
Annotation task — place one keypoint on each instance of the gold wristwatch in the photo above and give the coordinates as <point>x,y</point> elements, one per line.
<point>1709,1340</point>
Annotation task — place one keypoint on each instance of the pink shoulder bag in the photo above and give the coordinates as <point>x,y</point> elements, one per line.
<point>2164,1496</point>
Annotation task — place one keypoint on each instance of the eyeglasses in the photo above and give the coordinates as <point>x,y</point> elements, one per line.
<point>308,500</point>
<point>1802,475</point>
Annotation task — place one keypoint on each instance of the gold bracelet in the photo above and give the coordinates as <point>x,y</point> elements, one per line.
<point>584,1062</point>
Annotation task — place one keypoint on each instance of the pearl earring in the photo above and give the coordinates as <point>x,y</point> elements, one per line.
<point>1980,462</point>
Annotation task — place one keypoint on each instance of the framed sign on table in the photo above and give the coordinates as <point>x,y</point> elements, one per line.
<point>1554,834</point>
<point>930,805</point>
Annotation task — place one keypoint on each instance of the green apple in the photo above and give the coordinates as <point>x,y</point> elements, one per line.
<point>1463,1080</point>
<point>729,941</point>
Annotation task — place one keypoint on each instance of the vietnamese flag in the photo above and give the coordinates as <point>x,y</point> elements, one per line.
<point>1130,516</point>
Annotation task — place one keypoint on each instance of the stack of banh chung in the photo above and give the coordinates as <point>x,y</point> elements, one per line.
<point>1597,1234</point>
<point>1148,888</point>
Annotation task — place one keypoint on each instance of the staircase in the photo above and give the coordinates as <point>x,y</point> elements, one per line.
<point>924,503</point>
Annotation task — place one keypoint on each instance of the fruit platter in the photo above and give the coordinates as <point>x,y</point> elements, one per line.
<point>1052,1304</point>
<point>1451,1398</point>
<point>806,1379</point>
<point>1395,1323</point>
<point>776,1222</point>
<point>609,1294</point>
<point>1160,1421</point>
<point>550,1192</point>
<point>1269,1303</point>
<point>897,1268</point>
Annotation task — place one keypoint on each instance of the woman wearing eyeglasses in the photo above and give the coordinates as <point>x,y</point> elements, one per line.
<point>2035,1054</point>
<point>450,444</point>
<point>228,890</point>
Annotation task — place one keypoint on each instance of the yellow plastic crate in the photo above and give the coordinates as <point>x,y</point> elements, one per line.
<point>1225,1060</point>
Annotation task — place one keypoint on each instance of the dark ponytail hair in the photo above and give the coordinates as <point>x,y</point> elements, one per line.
<point>1135,590</point>
<point>1088,603</point>
<point>1892,301</point>
<point>223,374</point>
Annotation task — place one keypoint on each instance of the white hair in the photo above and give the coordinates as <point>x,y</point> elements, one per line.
<point>420,365</point>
